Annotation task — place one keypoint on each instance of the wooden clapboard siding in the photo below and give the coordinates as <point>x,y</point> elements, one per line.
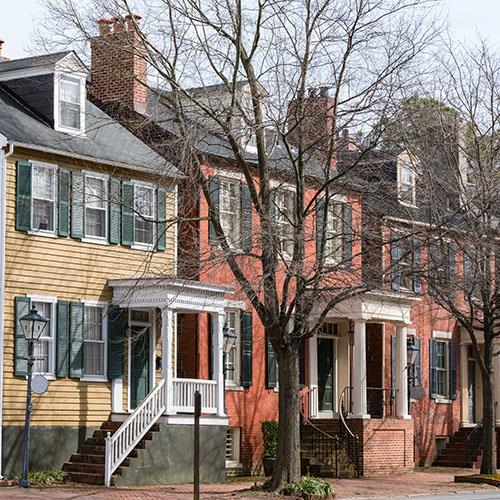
<point>71,270</point>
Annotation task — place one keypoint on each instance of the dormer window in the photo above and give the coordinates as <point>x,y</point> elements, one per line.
<point>70,103</point>
<point>406,184</point>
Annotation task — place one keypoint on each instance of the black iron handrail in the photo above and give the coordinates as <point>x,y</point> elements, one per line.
<point>474,442</point>
<point>385,406</point>
<point>348,440</point>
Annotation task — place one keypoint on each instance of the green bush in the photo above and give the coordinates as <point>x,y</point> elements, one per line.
<point>47,477</point>
<point>310,485</point>
<point>270,434</point>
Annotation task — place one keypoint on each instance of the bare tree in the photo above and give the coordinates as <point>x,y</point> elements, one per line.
<point>367,52</point>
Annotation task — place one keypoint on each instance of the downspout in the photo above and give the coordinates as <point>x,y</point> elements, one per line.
<point>3,194</point>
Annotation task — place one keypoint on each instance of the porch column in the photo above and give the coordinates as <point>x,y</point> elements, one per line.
<point>401,375</point>
<point>313,376</point>
<point>359,405</point>
<point>167,360</point>
<point>464,384</point>
<point>217,357</point>
<point>496,382</point>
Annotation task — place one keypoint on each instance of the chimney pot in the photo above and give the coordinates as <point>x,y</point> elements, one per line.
<point>323,91</point>
<point>104,26</point>
<point>132,20</point>
<point>345,132</point>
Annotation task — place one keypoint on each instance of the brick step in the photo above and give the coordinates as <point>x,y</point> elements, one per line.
<point>85,458</point>
<point>88,468</point>
<point>452,463</point>
<point>87,478</point>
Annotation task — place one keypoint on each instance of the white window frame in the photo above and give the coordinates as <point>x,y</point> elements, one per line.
<point>282,222</point>
<point>334,233</point>
<point>50,166</point>
<point>236,447</point>
<point>102,240</point>
<point>148,185</point>
<point>234,240</point>
<point>58,78</point>
<point>235,382</point>
<point>445,370</point>
<point>104,307</point>
<point>411,185</point>
<point>51,374</point>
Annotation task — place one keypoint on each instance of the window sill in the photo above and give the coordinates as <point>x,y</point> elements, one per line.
<point>144,248</point>
<point>96,241</point>
<point>41,232</point>
<point>442,400</point>
<point>234,388</point>
<point>406,204</point>
<point>93,379</point>
<point>71,131</point>
<point>49,376</point>
<point>233,464</point>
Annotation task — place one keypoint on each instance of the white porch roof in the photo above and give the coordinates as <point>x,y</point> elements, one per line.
<point>172,293</point>
<point>382,306</point>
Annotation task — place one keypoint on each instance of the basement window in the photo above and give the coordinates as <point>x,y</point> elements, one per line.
<point>233,447</point>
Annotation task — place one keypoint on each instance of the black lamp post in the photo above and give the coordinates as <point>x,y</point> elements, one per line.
<point>411,358</point>
<point>32,325</point>
<point>229,341</point>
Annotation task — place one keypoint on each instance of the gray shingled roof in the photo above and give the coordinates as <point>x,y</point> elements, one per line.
<point>33,62</point>
<point>105,140</point>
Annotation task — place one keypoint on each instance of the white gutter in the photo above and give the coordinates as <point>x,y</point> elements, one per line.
<point>3,196</point>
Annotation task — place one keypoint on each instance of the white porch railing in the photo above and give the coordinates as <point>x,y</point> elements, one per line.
<point>133,429</point>
<point>184,389</point>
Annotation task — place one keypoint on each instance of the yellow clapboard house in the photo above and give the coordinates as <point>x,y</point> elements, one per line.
<point>88,237</point>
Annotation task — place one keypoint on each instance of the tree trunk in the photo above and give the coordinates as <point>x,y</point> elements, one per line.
<point>287,465</point>
<point>489,461</point>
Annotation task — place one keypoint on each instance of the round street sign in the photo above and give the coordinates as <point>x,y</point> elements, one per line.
<point>39,384</point>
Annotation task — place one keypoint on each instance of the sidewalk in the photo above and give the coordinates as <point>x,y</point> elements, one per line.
<point>430,481</point>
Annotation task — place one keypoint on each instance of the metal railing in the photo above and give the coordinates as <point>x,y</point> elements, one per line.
<point>133,429</point>
<point>348,440</point>
<point>474,442</point>
<point>380,402</point>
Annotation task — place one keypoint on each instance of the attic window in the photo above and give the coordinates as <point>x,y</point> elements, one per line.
<point>70,103</point>
<point>406,184</point>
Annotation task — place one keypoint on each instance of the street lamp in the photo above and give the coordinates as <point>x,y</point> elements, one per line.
<point>411,358</point>
<point>229,342</point>
<point>32,325</point>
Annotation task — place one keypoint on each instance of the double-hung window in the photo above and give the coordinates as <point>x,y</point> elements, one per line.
<point>284,201</point>
<point>70,102</point>
<point>442,367</point>
<point>229,210</point>
<point>94,341</point>
<point>406,183</point>
<point>96,206</point>
<point>43,199</point>
<point>333,234</point>
<point>233,357</point>
<point>144,207</point>
<point>44,348</point>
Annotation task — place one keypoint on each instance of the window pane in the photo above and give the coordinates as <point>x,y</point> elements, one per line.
<point>93,349</point>
<point>144,200</point>
<point>143,231</point>
<point>95,192</point>
<point>42,348</point>
<point>95,222</point>
<point>43,215</point>
<point>70,115</point>
<point>93,323</point>
<point>70,90</point>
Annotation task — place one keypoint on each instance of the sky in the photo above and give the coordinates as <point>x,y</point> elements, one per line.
<point>467,18</point>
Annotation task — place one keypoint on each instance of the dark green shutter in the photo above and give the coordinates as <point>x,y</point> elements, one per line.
<point>63,338</point>
<point>393,361</point>
<point>271,365</point>
<point>395,268</point>
<point>161,217</point>
<point>302,363</point>
<point>22,306</point>
<point>452,270</point>
<point>246,349</point>
<point>76,340</point>
<point>418,364</point>
<point>77,205</point>
<point>114,210</point>
<point>214,187</point>
<point>453,369</point>
<point>117,328</point>
<point>416,268</point>
<point>347,234</point>
<point>320,226</point>
<point>127,213</point>
<point>432,369</point>
<point>246,218</point>
<point>63,203</point>
<point>23,196</point>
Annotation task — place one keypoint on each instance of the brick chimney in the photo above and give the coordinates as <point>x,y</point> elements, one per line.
<point>2,57</point>
<point>347,141</point>
<point>316,120</point>
<point>118,65</point>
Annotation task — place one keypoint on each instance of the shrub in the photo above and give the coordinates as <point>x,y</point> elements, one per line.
<point>310,485</point>
<point>47,477</point>
<point>270,435</point>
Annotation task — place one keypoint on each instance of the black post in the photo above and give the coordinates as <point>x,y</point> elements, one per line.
<point>224,374</point>
<point>196,458</point>
<point>24,483</point>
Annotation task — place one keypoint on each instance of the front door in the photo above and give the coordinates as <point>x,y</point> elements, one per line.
<point>472,390</point>
<point>325,374</point>
<point>139,365</point>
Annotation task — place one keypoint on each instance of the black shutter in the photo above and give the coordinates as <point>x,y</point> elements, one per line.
<point>23,196</point>
<point>393,361</point>
<point>347,235</point>
<point>22,307</point>
<point>213,186</point>
<point>63,339</point>
<point>63,203</point>
<point>76,340</point>
<point>117,328</point>
<point>271,365</point>
<point>453,369</point>
<point>246,218</point>
<point>452,269</point>
<point>320,226</point>
<point>416,267</point>
<point>246,349</point>
<point>417,381</point>
<point>302,363</point>
<point>395,267</point>
<point>432,369</point>
<point>115,187</point>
